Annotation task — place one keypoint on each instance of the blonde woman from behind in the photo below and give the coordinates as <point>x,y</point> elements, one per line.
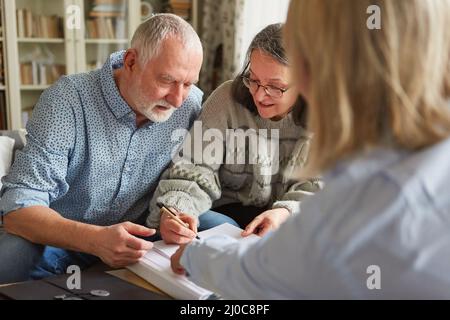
<point>379,110</point>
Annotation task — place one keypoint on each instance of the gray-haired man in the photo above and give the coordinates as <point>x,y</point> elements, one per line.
<point>96,145</point>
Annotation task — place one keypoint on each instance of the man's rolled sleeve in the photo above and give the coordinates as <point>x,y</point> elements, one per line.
<point>17,198</point>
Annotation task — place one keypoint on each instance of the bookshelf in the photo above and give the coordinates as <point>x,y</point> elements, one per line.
<point>40,47</point>
<point>37,46</point>
<point>108,27</point>
<point>37,52</point>
<point>4,122</point>
<point>40,40</point>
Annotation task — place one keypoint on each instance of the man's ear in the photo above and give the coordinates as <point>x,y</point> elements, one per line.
<point>130,60</point>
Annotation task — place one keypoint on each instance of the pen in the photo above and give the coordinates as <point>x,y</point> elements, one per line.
<point>174,216</point>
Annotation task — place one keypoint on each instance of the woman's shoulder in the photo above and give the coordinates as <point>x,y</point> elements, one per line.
<point>221,95</point>
<point>221,102</point>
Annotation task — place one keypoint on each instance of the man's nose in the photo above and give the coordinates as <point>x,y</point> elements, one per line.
<point>176,96</point>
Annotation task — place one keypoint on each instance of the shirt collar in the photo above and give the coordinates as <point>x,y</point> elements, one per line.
<point>111,93</point>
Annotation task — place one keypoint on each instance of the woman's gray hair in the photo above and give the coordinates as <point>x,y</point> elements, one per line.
<point>150,35</point>
<point>270,42</point>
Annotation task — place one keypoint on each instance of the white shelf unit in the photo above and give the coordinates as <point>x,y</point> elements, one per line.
<point>41,40</point>
<point>93,52</point>
<point>32,54</point>
<point>2,49</point>
<point>32,87</point>
<point>106,41</point>
<point>4,99</point>
<point>74,51</point>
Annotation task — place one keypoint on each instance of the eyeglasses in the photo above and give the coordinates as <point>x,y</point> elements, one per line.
<point>271,91</point>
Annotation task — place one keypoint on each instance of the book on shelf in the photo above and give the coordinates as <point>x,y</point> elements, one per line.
<point>107,20</point>
<point>94,14</point>
<point>30,25</point>
<point>35,73</point>
<point>181,8</point>
<point>106,28</point>
<point>155,266</point>
<point>120,30</point>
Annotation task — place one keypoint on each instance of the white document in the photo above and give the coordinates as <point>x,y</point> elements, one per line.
<point>155,266</point>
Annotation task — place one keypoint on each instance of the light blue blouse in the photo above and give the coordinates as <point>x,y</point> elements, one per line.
<point>379,230</point>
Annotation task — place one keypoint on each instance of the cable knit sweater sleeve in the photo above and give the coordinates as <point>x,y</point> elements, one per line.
<point>191,184</point>
<point>297,190</point>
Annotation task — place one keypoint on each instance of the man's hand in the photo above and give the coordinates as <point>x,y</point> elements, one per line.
<point>174,233</point>
<point>175,261</point>
<point>266,221</point>
<point>117,245</point>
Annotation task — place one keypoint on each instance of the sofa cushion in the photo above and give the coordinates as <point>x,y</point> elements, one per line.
<point>10,142</point>
<point>6,155</point>
<point>17,135</point>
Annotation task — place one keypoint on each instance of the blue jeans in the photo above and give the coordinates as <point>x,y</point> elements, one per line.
<point>17,257</point>
<point>21,260</point>
<point>211,219</point>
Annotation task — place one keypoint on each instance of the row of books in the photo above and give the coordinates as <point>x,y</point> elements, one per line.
<point>35,73</point>
<point>107,20</point>
<point>106,28</point>
<point>30,25</point>
<point>181,8</point>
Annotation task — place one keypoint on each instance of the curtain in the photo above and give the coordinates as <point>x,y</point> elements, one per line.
<point>222,29</point>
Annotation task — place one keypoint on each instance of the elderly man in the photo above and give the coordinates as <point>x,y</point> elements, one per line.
<point>96,145</point>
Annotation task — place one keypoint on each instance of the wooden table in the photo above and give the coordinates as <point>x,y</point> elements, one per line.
<point>127,275</point>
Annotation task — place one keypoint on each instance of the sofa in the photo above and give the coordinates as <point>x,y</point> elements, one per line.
<point>17,135</point>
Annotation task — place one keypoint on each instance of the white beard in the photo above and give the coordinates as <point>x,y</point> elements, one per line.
<point>150,112</point>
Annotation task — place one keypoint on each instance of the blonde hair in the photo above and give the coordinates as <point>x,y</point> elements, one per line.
<point>371,88</point>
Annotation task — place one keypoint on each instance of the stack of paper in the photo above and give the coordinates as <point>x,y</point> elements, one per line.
<point>155,266</point>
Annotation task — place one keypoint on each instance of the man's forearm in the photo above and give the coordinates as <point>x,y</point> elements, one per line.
<point>45,226</point>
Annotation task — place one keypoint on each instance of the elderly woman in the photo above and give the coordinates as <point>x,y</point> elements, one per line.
<point>381,121</point>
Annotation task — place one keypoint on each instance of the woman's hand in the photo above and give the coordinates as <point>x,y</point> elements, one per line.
<point>175,261</point>
<point>267,221</point>
<point>174,233</point>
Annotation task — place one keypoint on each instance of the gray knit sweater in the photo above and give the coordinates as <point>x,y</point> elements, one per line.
<point>197,181</point>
